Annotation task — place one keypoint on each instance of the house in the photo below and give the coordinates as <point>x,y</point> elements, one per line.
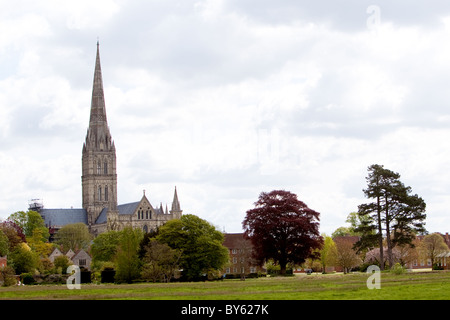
<point>443,260</point>
<point>80,257</point>
<point>55,253</point>
<point>240,250</point>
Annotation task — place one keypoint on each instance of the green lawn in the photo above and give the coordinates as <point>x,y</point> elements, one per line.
<point>424,286</point>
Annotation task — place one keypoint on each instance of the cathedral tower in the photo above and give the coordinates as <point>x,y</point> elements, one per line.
<point>99,177</point>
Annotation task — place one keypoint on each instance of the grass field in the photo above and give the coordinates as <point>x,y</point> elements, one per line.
<point>409,286</point>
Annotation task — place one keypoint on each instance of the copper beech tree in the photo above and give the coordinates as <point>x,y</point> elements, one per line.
<point>282,228</point>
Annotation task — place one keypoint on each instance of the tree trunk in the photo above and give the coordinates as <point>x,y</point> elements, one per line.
<point>380,231</point>
<point>388,236</point>
<point>283,263</point>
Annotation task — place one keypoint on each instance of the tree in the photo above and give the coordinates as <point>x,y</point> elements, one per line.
<point>200,244</point>
<point>29,221</point>
<point>13,232</point>
<point>282,228</point>
<point>127,259</point>
<point>327,253</point>
<point>160,261</point>
<point>394,212</point>
<point>104,246</point>
<point>4,244</point>
<point>61,263</point>
<point>73,236</point>
<point>37,243</point>
<point>23,259</point>
<point>19,218</point>
<point>431,246</point>
<point>345,256</point>
<point>34,222</point>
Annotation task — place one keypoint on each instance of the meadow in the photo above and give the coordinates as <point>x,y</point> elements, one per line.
<point>408,286</point>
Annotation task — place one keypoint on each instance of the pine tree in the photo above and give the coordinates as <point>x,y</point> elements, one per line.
<point>394,212</point>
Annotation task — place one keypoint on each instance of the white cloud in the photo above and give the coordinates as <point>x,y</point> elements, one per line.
<point>225,100</point>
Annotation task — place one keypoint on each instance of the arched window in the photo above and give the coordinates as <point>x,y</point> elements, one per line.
<point>99,168</point>
<point>145,229</point>
<point>105,168</point>
<point>106,193</point>
<point>99,195</point>
<point>146,214</point>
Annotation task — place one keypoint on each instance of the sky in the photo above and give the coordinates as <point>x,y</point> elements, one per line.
<point>228,99</point>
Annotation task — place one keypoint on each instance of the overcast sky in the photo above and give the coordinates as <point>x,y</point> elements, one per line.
<point>226,99</point>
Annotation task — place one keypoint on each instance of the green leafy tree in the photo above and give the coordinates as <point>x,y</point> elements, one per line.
<point>200,244</point>
<point>394,212</point>
<point>35,221</point>
<point>73,236</point>
<point>160,261</point>
<point>19,218</point>
<point>23,259</point>
<point>104,246</point>
<point>327,256</point>
<point>61,263</point>
<point>29,221</point>
<point>38,244</point>
<point>127,259</point>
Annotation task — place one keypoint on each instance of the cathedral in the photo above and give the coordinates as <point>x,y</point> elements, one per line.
<point>100,211</point>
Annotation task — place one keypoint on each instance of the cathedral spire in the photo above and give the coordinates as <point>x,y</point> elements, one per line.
<point>99,176</point>
<point>98,110</point>
<point>175,204</point>
<point>98,136</point>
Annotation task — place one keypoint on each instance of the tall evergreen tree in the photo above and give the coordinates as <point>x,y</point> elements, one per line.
<point>394,212</point>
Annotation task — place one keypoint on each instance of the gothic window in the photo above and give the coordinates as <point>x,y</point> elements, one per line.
<point>99,195</point>
<point>146,214</point>
<point>106,193</point>
<point>105,168</point>
<point>99,168</point>
<point>139,214</point>
<point>145,229</point>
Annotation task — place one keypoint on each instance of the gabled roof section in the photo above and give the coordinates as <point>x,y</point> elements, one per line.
<point>128,208</point>
<point>102,217</point>
<point>62,217</point>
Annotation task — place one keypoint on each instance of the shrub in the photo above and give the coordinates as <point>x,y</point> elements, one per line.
<point>27,278</point>
<point>7,276</point>
<point>108,275</point>
<point>436,266</point>
<point>398,269</point>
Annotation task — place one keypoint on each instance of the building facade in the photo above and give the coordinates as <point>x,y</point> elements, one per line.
<point>241,262</point>
<point>100,210</point>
